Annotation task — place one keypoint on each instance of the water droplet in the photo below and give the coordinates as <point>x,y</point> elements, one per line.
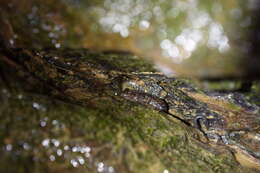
<point>144,24</point>
<point>43,123</point>
<point>46,142</point>
<point>166,171</point>
<point>100,167</point>
<point>55,142</point>
<point>20,96</point>
<point>81,160</point>
<point>11,41</point>
<point>66,147</point>
<point>57,45</point>
<point>75,149</point>
<point>26,146</point>
<point>85,149</point>
<point>74,163</point>
<point>9,147</point>
<point>59,152</point>
<point>111,169</point>
<point>52,158</point>
<point>54,122</point>
<point>87,155</point>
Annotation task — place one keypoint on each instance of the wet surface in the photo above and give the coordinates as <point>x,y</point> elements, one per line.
<point>32,133</point>
<point>43,135</point>
<point>218,119</point>
<point>192,38</point>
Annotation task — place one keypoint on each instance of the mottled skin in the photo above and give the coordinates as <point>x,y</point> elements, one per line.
<point>85,77</point>
<point>214,121</point>
<point>177,102</point>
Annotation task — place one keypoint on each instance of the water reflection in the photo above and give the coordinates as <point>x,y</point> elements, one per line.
<point>209,37</point>
<point>197,28</point>
<point>217,39</point>
<point>177,30</point>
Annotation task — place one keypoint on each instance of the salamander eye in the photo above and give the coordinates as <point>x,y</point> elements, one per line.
<point>201,122</point>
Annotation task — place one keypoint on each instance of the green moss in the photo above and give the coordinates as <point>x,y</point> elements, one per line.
<point>256,87</point>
